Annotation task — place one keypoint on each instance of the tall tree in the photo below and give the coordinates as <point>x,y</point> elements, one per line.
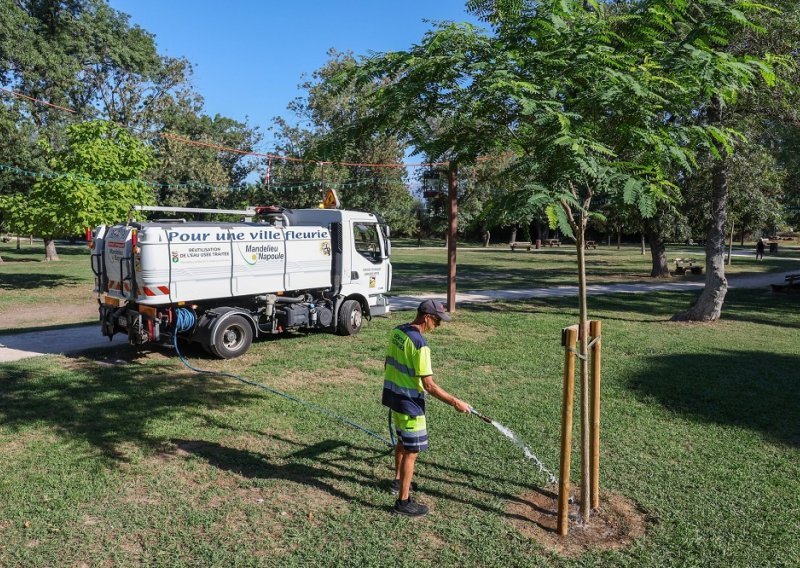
<point>327,111</point>
<point>584,96</point>
<point>96,179</point>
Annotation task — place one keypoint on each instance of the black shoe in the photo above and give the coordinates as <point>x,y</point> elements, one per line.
<point>409,508</point>
<point>395,487</point>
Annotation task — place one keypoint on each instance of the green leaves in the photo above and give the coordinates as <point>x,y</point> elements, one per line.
<point>66,205</point>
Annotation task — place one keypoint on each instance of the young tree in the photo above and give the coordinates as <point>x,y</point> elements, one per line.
<point>583,94</point>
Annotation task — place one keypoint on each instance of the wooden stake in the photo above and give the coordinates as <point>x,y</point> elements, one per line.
<point>595,330</point>
<point>569,338</point>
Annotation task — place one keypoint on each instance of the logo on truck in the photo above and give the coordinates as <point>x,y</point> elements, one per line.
<point>254,254</point>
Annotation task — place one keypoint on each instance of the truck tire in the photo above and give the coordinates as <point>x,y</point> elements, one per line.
<point>350,318</point>
<point>232,337</point>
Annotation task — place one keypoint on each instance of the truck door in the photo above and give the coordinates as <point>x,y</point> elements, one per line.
<point>369,268</point>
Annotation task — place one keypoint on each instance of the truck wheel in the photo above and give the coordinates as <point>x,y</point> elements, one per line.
<point>232,337</point>
<point>350,318</point>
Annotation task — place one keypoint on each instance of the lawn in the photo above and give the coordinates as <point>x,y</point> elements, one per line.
<point>129,459</point>
<point>425,269</point>
<point>37,294</point>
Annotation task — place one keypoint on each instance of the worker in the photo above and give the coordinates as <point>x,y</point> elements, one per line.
<point>408,376</point>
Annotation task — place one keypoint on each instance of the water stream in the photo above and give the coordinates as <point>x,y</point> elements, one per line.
<point>511,435</point>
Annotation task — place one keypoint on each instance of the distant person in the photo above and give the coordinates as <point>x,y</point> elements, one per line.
<point>760,249</point>
<point>408,376</point>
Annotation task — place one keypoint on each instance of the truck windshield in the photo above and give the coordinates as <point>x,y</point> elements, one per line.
<point>367,241</point>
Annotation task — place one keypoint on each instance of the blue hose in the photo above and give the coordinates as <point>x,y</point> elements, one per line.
<point>185,320</point>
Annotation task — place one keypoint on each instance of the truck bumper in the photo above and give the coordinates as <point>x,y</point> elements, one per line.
<point>381,306</point>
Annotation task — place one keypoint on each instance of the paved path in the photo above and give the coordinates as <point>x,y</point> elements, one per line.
<point>77,339</point>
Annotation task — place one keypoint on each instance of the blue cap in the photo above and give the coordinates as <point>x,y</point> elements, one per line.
<point>434,308</point>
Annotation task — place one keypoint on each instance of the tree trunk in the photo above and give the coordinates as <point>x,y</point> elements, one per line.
<point>742,237</point>
<point>658,253</point>
<point>514,233</point>
<point>19,246</point>
<point>583,335</point>
<point>452,231</point>
<point>619,237</point>
<point>50,249</point>
<point>487,236</point>
<point>643,251</point>
<point>708,306</point>
<point>730,246</point>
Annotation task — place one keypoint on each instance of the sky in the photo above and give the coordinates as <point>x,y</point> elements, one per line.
<point>249,56</point>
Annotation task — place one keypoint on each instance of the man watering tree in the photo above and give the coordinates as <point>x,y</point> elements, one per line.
<point>408,376</point>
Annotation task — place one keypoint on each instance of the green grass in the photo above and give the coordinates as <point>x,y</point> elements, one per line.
<point>48,292</point>
<point>425,270</point>
<point>37,294</point>
<point>145,463</point>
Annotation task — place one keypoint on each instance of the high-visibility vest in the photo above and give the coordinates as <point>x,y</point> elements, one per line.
<point>408,359</point>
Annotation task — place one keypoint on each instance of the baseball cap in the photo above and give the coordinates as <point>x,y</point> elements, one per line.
<point>434,308</point>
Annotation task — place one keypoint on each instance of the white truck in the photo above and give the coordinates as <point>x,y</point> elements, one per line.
<point>222,284</point>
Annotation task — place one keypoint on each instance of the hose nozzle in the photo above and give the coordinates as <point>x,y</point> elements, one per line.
<point>479,415</point>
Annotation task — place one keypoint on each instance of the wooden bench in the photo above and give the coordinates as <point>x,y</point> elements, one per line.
<point>552,242</point>
<point>792,284</point>
<point>687,265</point>
<point>590,244</point>
<point>521,244</point>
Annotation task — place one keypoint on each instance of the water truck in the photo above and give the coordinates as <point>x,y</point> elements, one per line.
<point>223,284</point>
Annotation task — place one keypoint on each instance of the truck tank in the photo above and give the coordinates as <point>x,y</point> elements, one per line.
<point>165,263</point>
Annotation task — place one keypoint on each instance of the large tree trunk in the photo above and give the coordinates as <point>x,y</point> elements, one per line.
<point>708,306</point>
<point>514,229</point>
<point>50,249</point>
<point>658,253</point>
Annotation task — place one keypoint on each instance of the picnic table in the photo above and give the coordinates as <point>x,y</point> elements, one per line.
<point>522,244</point>
<point>685,265</point>
<point>792,284</point>
<point>552,242</point>
<point>590,244</point>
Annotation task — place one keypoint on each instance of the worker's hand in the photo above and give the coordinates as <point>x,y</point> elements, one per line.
<point>461,406</point>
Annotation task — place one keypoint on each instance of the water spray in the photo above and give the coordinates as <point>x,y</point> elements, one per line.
<point>511,435</point>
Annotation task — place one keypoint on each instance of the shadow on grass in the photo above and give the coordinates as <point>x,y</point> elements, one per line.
<point>108,406</point>
<point>311,465</point>
<point>755,389</point>
<point>31,281</point>
<point>328,464</point>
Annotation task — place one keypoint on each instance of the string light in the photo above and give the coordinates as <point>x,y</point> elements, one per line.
<point>221,148</point>
<point>278,185</point>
